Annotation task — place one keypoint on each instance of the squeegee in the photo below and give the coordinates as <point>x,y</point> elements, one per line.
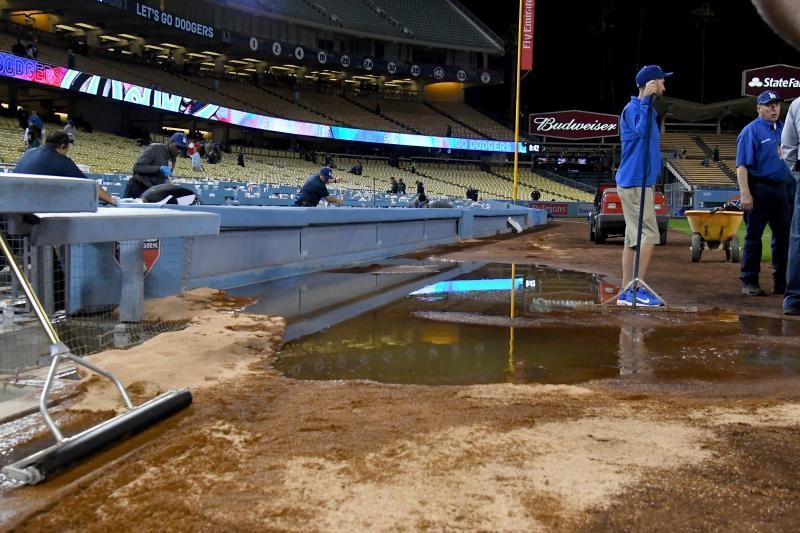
<point>70,450</point>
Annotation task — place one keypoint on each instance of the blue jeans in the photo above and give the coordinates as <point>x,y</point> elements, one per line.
<point>770,206</point>
<point>792,298</point>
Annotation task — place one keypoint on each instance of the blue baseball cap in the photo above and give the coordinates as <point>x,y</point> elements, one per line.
<point>650,73</point>
<point>767,97</point>
<point>180,140</point>
<point>326,173</point>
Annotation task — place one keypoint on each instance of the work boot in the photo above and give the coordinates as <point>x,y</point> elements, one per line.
<point>750,289</point>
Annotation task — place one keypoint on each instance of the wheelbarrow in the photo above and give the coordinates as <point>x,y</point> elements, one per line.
<point>715,229</point>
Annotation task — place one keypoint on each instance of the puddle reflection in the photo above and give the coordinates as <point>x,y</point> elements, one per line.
<point>449,323</point>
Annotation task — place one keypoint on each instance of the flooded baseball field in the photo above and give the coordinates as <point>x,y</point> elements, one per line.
<point>467,390</point>
<point>434,323</point>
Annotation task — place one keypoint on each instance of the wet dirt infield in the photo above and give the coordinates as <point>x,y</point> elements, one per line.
<point>257,451</point>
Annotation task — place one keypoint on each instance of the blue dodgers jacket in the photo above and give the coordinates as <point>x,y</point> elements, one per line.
<point>633,128</point>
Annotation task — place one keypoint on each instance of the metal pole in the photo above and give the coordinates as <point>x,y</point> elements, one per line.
<point>516,105</point>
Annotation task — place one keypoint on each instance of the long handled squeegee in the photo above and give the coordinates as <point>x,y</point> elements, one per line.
<point>70,450</point>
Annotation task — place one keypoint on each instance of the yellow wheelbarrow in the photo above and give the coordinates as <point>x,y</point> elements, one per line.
<point>712,230</point>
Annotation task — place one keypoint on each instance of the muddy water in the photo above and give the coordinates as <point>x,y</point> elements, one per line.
<point>445,323</point>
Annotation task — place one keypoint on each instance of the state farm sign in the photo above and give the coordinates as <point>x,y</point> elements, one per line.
<point>574,125</point>
<point>783,78</point>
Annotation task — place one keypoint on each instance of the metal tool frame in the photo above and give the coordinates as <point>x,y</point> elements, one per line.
<point>22,470</point>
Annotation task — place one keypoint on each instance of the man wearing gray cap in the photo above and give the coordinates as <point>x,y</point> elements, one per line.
<point>155,164</point>
<point>763,183</point>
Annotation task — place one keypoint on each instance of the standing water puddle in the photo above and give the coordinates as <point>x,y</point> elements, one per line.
<point>454,323</point>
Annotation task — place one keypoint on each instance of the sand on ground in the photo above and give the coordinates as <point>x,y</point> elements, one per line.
<point>257,451</point>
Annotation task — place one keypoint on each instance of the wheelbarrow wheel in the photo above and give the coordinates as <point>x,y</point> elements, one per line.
<point>697,247</point>
<point>734,247</point>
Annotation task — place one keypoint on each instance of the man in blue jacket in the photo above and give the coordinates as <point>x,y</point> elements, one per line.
<point>763,184</point>
<point>640,166</point>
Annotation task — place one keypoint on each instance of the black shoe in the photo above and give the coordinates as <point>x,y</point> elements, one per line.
<point>752,290</point>
<point>791,310</point>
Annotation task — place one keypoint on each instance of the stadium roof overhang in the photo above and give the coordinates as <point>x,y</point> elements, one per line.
<point>112,23</point>
<point>115,31</point>
<point>677,110</point>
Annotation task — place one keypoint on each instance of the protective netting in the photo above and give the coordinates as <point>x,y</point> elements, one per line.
<point>94,295</point>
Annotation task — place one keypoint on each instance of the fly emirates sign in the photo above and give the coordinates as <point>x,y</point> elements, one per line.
<point>783,78</point>
<point>574,125</point>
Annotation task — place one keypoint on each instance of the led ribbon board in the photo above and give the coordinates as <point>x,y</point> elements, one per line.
<point>30,70</point>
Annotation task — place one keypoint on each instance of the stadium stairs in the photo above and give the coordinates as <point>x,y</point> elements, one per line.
<point>405,127</point>
<point>457,121</point>
<point>691,168</point>
<point>328,119</point>
<point>726,143</point>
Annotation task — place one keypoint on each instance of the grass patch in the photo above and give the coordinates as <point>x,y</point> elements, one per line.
<point>682,225</point>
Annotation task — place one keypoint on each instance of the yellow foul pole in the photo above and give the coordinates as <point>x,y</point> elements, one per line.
<point>516,105</point>
<point>511,368</point>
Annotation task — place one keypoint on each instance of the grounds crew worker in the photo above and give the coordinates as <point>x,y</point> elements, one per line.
<point>314,189</point>
<point>638,123</point>
<point>50,159</point>
<point>790,141</point>
<point>154,165</point>
<point>763,183</point>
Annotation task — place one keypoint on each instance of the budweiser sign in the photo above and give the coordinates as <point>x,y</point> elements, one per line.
<point>574,125</point>
<point>783,78</point>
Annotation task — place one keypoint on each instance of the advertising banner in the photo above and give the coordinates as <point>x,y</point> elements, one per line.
<point>785,79</point>
<point>25,69</point>
<point>526,62</point>
<point>574,124</point>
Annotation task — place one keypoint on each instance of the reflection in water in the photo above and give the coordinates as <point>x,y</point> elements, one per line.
<point>511,370</point>
<point>438,334</point>
<point>633,355</point>
<point>456,324</point>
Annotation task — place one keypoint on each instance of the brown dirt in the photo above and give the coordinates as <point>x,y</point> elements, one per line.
<point>257,451</point>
